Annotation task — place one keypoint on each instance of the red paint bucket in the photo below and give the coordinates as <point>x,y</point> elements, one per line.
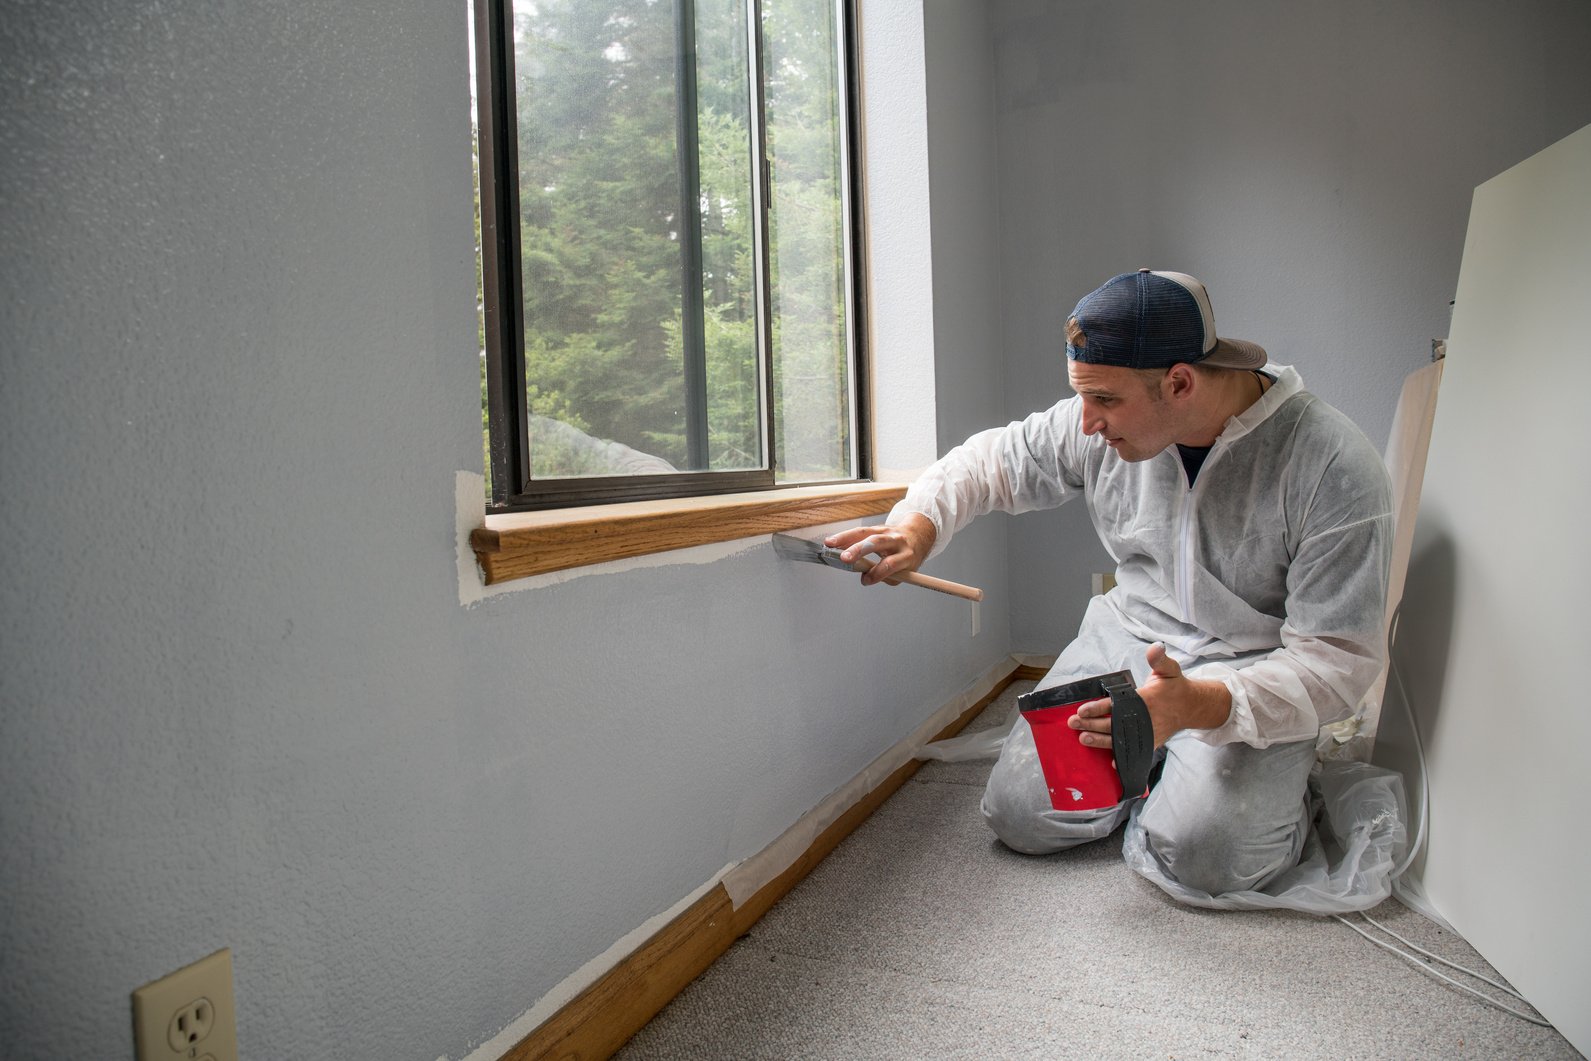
<point>1078,777</point>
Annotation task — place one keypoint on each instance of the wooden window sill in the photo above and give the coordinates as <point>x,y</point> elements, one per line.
<point>520,544</point>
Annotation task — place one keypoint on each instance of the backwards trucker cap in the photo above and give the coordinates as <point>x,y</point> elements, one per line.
<point>1153,320</point>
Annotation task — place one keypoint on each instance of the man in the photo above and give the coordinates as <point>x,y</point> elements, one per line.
<point>1251,524</point>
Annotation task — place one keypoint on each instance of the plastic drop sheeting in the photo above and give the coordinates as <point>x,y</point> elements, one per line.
<point>1355,841</point>
<point>982,744</point>
<point>1356,838</point>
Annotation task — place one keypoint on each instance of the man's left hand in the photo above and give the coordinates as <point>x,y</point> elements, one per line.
<point>1175,702</point>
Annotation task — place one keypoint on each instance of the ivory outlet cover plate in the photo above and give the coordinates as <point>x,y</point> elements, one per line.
<point>188,1015</point>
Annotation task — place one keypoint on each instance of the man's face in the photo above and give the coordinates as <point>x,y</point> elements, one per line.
<point>1120,404</point>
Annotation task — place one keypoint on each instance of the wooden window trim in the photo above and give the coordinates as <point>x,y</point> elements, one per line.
<point>513,545</point>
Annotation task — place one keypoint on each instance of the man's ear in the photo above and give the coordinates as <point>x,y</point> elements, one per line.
<point>1180,380</point>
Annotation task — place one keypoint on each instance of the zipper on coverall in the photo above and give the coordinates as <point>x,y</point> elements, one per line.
<point>1186,532</point>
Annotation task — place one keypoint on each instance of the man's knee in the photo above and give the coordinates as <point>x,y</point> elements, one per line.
<point>1017,806</point>
<point>1216,856</point>
<point>1228,818</point>
<point>1020,832</point>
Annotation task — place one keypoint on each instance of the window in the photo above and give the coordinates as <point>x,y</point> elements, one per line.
<point>668,248</point>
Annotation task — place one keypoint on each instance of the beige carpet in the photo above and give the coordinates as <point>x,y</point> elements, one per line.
<point>922,937</point>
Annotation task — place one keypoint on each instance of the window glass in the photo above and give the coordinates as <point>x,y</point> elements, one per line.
<point>600,260</point>
<point>675,317</point>
<point>811,352</point>
<point>729,275</point>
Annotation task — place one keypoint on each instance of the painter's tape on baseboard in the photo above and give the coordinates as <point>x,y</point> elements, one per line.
<point>549,1004</point>
<point>752,875</point>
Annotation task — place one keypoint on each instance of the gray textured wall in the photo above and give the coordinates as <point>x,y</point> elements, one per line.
<point>963,158</point>
<point>243,705</point>
<point>1311,163</point>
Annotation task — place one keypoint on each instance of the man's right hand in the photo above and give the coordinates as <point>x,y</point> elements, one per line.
<point>900,549</point>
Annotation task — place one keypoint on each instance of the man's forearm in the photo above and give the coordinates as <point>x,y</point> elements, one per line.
<point>1208,705</point>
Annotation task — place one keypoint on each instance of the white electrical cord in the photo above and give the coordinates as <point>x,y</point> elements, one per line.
<point>1419,748</point>
<point>1411,959</point>
<point>1408,860</point>
<point>1438,958</point>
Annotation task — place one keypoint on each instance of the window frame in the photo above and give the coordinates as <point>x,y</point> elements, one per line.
<point>507,413</point>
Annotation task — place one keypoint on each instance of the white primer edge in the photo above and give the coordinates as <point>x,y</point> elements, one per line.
<point>584,977</point>
<point>899,476</point>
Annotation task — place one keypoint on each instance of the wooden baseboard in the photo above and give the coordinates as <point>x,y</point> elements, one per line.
<point>603,1017</point>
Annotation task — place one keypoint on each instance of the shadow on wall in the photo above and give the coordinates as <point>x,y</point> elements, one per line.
<point>1419,650</point>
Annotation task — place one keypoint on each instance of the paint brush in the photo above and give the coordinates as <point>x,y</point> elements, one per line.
<point>790,547</point>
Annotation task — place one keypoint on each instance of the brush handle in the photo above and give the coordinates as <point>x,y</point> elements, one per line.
<point>943,585</point>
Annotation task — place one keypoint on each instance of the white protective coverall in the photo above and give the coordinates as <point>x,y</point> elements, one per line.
<point>1269,574</point>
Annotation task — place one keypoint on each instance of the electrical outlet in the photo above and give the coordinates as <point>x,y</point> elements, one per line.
<point>188,1015</point>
